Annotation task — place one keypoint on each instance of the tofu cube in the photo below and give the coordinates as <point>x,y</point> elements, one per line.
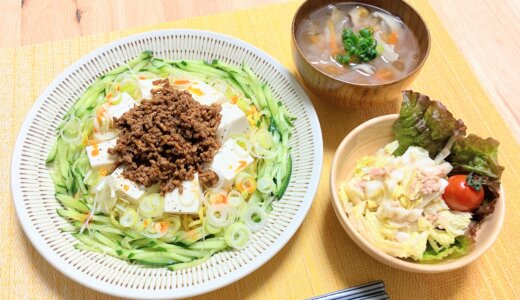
<point>98,155</point>
<point>129,189</point>
<point>186,203</point>
<point>146,87</point>
<point>233,122</point>
<point>126,103</point>
<point>204,93</point>
<point>230,160</point>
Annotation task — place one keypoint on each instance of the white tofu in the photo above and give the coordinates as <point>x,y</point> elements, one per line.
<point>186,203</point>
<point>146,87</point>
<point>133,191</point>
<point>205,93</point>
<point>98,155</point>
<point>126,103</point>
<point>233,121</point>
<point>230,160</point>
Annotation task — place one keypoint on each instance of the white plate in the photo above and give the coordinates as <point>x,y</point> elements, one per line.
<point>33,191</point>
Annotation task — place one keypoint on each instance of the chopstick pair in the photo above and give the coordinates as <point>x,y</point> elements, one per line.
<point>370,291</point>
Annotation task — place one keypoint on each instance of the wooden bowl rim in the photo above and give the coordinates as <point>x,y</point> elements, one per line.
<point>387,259</point>
<point>415,70</point>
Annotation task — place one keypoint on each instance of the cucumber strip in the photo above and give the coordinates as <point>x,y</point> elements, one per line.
<point>52,153</point>
<point>101,228</point>
<point>141,255</point>
<point>69,228</point>
<point>141,243</point>
<point>158,63</point>
<point>286,178</point>
<point>125,242</point>
<point>71,214</point>
<point>200,67</point>
<point>260,96</point>
<point>101,219</point>
<point>179,250</point>
<point>209,244</point>
<point>228,68</point>
<point>105,240</point>
<point>244,86</point>
<point>156,261</point>
<point>193,263</point>
<point>190,237</point>
<point>90,244</point>
<point>249,72</point>
<point>70,202</point>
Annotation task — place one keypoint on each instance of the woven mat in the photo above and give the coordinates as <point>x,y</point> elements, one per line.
<point>320,258</point>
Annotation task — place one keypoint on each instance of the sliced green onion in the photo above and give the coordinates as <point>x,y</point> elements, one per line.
<point>220,215</point>
<point>265,185</point>
<point>255,217</point>
<point>129,218</point>
<point>151,205</point>
<point>237,236</point>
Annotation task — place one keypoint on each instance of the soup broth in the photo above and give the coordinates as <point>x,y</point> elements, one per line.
<point>326,41</point>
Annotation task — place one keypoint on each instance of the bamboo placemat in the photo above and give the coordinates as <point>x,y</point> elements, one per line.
<point>320,258</point>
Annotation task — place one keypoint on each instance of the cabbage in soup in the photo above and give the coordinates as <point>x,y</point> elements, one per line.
<point>358,43</point>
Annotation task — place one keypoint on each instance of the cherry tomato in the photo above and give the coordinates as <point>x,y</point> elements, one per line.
<point>458,195</point>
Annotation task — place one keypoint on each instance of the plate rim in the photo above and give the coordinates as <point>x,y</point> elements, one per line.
<point>50,256</point>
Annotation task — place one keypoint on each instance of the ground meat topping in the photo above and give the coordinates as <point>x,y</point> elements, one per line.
<point>168,139</point>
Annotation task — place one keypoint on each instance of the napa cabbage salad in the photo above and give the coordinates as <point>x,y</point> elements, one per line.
<point>152,225</point>
<point>424,195</point>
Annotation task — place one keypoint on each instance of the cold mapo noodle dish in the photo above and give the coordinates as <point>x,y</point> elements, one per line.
<point>165,163</point>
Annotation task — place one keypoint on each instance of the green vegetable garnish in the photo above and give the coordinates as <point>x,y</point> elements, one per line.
<point>477,155</point>
<point>360,47</point>
<point>425,123</point>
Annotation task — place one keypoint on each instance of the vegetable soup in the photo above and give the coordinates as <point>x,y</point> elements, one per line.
<point>358,43</point>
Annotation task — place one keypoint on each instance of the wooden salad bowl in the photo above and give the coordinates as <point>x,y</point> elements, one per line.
<point>366,139</point>
<point>356,95</point>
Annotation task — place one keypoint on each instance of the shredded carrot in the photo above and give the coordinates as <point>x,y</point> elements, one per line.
<point>220,199</point>
<point>242,164</point>
<point>95,152</point>
<point>181,81</point>
<point>142,77</point>
<point>392,38</point>
<point>384,74</point>
<point>333,43</point>
<point>234,100</point>
<point>118,87</point>
<point>313,38</point>
<point>109,95</point>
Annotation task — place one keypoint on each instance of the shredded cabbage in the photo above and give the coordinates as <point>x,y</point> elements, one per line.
<point>396,203</point>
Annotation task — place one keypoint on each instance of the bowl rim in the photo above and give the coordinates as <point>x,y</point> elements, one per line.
<point>379,254</point>
<point>411,73</point>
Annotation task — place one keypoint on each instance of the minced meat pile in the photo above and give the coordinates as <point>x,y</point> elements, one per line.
<point>167,139</point>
